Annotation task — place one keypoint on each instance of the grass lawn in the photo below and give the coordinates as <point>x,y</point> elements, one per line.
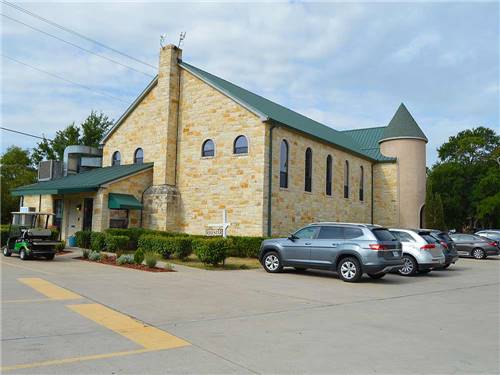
<point>231,263</point>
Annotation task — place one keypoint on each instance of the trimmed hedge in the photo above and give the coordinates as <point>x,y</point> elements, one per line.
<point>212,250</point>
<point>4,234</point>
<point>244,247</point>
<point>83,239</point>
<point>116,243</point>
<point>135,233</point>
<point>139,257</point>
<point>97,241</point>
<point>153,243</point>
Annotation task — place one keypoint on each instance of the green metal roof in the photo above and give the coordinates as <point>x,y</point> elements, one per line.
<point>403,125</point>
<point>82,182</point>
<point>368,139</point>
<point>269,110</point>
<point>123,201</point>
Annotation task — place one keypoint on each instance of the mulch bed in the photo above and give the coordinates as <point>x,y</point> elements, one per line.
<point>64,252</point>
<point>111,261</point>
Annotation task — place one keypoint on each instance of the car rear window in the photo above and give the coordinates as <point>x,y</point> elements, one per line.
<point>428,238</point>
<point>445,237</point>
<point>383,234</point>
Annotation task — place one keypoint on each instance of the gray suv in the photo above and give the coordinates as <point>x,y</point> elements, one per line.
<point>349,249</point>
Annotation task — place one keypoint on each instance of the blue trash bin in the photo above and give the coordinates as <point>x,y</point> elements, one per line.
<point>71,241</point>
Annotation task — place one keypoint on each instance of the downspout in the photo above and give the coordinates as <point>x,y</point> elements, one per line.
<point>372,197</point>
<point>270,184</point>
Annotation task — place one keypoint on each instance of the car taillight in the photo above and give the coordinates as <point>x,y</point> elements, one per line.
<point>429,246</point>
<point>444,244</point>
<point>493,243</point>
<point>377,246</point>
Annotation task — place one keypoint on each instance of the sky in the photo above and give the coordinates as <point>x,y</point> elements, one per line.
<point>347,65</point>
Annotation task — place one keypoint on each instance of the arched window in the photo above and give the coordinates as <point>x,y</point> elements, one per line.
<point>361,183</point>
<point>346,179</point>
<point>329,174</point>
<point>308,171</point>
<point>208,148</point>
<point>240,145</point>
<point>138,156</point>
<point>116,159</point>
<point>284,164</point>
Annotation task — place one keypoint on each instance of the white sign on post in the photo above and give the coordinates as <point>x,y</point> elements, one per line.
<point>219,229</point>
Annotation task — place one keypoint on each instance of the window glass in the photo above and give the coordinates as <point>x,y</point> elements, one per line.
<point>138,156</point>
<point>429,239</point>
<point>240,145</point>
<point>383,234</point>
<point>116,159</point>
<point>491,235</point>
<point>308,171</point>
<point>330,232</point>
<point>284,164</point>
<point>403,236</point>
<point>444,237</point>
<point>350,233</point>
<point>307,233</point>
<point>208,148</point>
<point>346,179</point>
<point>361,183</point>
<point>329,175</point>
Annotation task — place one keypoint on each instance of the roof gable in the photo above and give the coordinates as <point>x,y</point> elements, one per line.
<point>403,125</point>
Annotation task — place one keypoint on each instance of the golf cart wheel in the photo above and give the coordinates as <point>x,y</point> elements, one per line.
<point>23,254</point>
<point>6,252</point>
<point>377,276</point>
<point>50,257</point>
<point>478,253</point>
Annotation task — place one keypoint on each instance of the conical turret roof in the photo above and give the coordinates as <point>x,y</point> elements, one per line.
<point>403,125</point>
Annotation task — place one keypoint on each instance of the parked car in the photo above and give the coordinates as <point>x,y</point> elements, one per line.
<point>449,248</point>
<point>475,246</point>
<point>350,249</point>
<point>421,251</point>
<point>490,234</point>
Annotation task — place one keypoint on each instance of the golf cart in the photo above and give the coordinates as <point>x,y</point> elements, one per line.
<point>29,236</point>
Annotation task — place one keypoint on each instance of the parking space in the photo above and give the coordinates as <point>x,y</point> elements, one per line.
<point>73,316</point>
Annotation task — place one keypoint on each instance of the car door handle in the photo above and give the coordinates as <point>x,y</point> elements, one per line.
<point>335,244</point>
<point>307,243</point>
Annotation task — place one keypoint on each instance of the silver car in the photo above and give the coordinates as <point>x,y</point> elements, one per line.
<point>350,249</point>
<point>421,251</point>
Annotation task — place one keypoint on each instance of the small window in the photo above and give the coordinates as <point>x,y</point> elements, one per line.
<point>346,179</point>
<point>208,148</point>
<point>308,171</point>
<point>138,156</point>
<point>240,145</point>
<point>329,174</point>
<point>330,232</point>
<point>307,233</point>
<point>116,159</point>
<point>429,239</point>
<point>361,183</point>
<point>351,233</point>
<point>284,164</point>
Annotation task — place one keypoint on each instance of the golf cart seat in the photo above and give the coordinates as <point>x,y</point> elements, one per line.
<point>39,232</point>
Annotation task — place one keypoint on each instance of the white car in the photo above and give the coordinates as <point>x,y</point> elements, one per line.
<point>421,251</point>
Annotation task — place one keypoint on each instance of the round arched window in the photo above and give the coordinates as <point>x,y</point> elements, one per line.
<point>240,145</point>
<point>116,159</point>
<point>208,148</point>
<point>138,156</point>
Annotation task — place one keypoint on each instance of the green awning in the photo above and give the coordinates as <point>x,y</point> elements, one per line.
<point>123,201</point>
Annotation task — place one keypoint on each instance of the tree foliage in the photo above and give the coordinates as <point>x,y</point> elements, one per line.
<point>16,170</point>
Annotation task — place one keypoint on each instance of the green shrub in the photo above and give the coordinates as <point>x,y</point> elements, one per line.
<point>168,266</point>
<point>85,253</point>
<point>4,233</point>
<point>244,247</point>
<point>116,243</point>
<point>103,257</point>
<point>132,233</point>
<point>153,243</point>
<point>54,233</point>
<point>95,256</point>
<point>150,259</point>
<point>125,259</point>
<point>211,251</point>
<point>97,241</point>
<point>60,246</point>
<point>83,239</point>
<point>139,256</point>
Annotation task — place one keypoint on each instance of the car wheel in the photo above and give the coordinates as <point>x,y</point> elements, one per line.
<point>409,266</point>
<point>6,252</point>
<point>478,253</point>
<point>50,257</point>
<point>377,276</point>
<point>23,255</point>
<point>349,270</point>
<point>272,262</point>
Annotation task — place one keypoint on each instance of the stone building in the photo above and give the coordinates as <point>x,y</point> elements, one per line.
<point>193,144</point>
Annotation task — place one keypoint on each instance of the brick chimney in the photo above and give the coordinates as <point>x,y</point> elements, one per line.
<point>168,95</point>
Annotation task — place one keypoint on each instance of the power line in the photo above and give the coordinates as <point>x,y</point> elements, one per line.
<point>75,45</point>
<point>17,7</point>
<point>64,79</point>
<point>23,133</point>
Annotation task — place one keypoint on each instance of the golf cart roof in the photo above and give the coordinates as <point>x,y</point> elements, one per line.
<point>31,213</point>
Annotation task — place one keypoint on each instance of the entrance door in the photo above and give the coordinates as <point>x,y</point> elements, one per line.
<point>74,213</point>
<point>88,207</point>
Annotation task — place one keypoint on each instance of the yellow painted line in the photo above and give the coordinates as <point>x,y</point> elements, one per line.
<point>142,334</point>
<point>48,289</point>
<point>28,300</point>
<point>74,359</point>
<point>26,268</point>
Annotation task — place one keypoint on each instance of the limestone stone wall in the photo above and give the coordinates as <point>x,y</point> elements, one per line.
<point>293,207</point>
<point>162,208</point>
<point>41,203</point>
<point>208,185</point>
<point>385,194</point>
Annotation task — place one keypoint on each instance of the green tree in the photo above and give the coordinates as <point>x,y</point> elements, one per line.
<point>470,146</point>
<point>16,170</point>
<point>94,127</point>
<point>434,214</point>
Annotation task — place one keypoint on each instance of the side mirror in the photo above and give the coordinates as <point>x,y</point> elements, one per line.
<point>292,237</point>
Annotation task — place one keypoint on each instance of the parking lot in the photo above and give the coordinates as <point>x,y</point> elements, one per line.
<point>69,316</point>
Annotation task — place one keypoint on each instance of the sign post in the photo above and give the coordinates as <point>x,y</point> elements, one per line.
<point>222,226</point>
